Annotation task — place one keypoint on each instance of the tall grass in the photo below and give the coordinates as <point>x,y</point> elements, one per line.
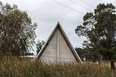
<point>25,68</point>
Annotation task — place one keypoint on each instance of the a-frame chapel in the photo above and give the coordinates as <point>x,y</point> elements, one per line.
<point>58,48</point>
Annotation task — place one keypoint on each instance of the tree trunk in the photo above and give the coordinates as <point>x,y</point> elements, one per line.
<point>112,65</point>
<point>99,60</point>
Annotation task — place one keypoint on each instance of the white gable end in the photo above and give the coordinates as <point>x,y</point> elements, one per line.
<point>58,48</point>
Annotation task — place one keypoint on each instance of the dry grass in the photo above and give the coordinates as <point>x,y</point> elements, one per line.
<point>21,68</point>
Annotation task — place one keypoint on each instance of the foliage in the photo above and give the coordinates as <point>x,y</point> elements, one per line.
<point>23,68</point>
<point>100,29</point>
<point>106,27</point>
<point>39,45</point>
<point>91,45</point>
<point>16,30</point>
<point>82,53</point>
<point>105,51</point>
<point>28,54</point>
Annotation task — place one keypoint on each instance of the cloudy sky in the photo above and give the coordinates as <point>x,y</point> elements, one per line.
<point>46,13</point>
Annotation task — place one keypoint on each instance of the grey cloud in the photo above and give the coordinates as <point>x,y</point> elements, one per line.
<point>47,13</point>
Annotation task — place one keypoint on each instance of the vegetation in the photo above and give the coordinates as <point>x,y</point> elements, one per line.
<point>100,29</point>
<point>27,54</point>
<point>17,33</point>
<point>15,67</point>
<point>17,36</point>
<point>39,45</point>
<point>83,53</point>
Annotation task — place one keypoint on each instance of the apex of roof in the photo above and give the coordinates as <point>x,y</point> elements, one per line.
<point>65,38</point>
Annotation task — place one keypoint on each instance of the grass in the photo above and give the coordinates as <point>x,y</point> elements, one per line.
<point>108,64</point>
<point>23,68</point>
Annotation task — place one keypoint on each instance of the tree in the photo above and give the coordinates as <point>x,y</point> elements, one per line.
<point>80,51</point>
<point>100,29</point>
<point>39,46</point>
<point>83,53</point>
<point>92,51</point>
<point>91,45</point>
<point>17,33</point>
<point>106,27</point>
<point>27,54</point>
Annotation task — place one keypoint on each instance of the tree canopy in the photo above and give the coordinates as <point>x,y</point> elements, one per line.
<point>100,29</point>
<point>39,45</point>
<point>17,33</point>
<point>82,53</point>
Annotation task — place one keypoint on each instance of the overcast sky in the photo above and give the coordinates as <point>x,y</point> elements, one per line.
<point>46,13</point>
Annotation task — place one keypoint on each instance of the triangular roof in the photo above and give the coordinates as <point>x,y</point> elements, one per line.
<point>58,26</point>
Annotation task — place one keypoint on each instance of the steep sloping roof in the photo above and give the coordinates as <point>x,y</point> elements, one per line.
<point>58,27</point>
